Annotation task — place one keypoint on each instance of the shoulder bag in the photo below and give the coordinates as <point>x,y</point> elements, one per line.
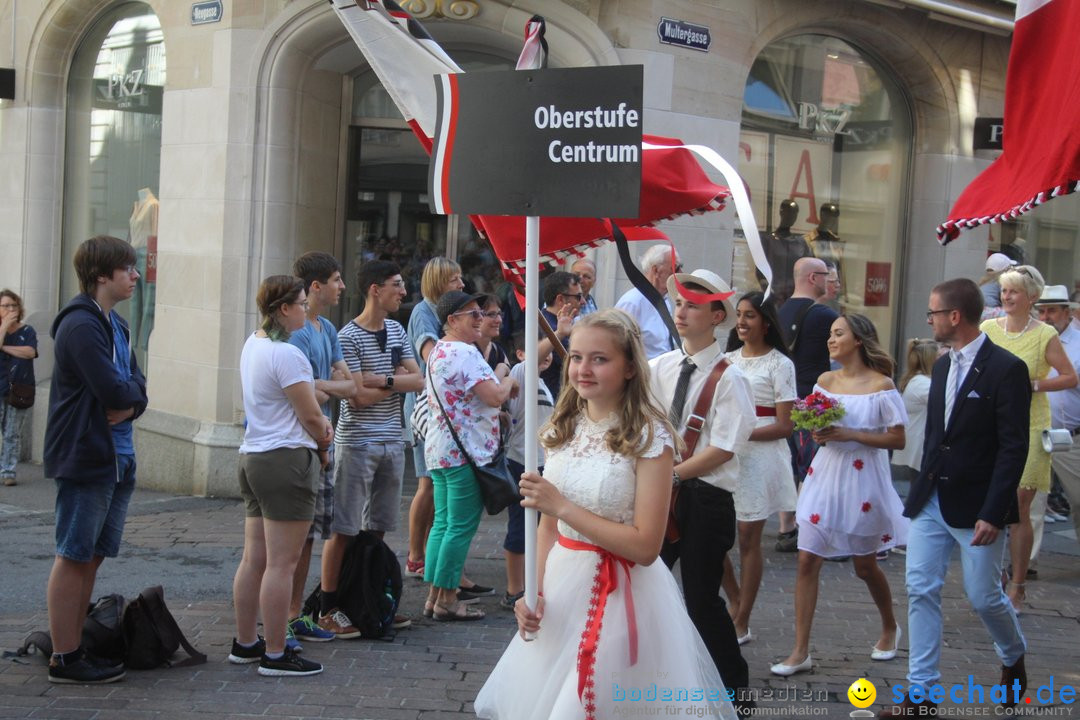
<point>497,487</point>
<point>20,395</point>
<point>694,425</point>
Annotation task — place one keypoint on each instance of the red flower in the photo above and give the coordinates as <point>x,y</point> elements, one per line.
<point>815,518</point>
<point>810,470</point>
<point>866,507</point>
<point>885,538</point>
<point>858,464</point>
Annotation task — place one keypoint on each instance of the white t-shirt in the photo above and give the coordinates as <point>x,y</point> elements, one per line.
<point>266,369</point>
<point>545,405</point>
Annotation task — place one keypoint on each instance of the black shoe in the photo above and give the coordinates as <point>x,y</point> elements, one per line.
<point>509,600</point>
<point>83,672</point>
<point>474,592</point>
<point>241,655</point>
<point>288,664</point>
<point>788,541</point>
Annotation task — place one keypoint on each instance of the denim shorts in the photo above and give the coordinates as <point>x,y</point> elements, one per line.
<point>90,515</point>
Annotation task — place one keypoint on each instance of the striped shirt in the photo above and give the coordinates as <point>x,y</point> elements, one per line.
<point>379,352</point>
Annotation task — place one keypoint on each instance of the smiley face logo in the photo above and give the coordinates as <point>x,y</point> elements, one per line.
<point>862,693</point>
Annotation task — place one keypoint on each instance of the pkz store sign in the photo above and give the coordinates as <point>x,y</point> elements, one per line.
<point>989,132</point>
<point>684,34</point>
<point>557,143</point>
<point>203,13</point>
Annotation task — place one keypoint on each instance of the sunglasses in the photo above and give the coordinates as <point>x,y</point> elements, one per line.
<point>475,314</point>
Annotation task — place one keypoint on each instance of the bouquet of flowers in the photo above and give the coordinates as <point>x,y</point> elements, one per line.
<point>816,411</point>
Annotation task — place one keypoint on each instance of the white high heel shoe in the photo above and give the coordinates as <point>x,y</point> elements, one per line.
<point>883,655</point>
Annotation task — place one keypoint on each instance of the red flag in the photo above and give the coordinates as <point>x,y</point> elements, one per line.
<point>1041,156</point>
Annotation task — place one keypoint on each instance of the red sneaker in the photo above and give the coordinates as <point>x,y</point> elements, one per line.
<point>414,569</point>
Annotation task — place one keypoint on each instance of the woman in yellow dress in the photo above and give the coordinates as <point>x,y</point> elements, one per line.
<point>1037,344</point>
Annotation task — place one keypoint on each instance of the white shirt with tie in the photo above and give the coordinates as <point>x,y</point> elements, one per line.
<point>731,416</point>
<point>960,362</point>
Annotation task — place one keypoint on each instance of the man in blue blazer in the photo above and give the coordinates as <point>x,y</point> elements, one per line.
<point>974,454</point>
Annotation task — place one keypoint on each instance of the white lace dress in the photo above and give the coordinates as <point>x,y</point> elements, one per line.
<point>765,482</point>
<point>542,679</point>
<point>848,505</point>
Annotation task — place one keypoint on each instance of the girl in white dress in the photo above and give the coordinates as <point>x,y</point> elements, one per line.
<point>612,633</point>
<point>915,389</point>
<point>847,505</point>
<point>765,482</point>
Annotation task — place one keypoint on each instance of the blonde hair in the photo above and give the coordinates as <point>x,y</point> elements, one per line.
<point>638,414</point>
<point>1024,278</point>
<point>921,354</point>
<point>436,278</point>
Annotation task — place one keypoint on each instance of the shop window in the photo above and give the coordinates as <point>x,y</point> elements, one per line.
<point>113,151</point>
<point>824,148</point>
<point>387,215</point>
<point>1048,237</point>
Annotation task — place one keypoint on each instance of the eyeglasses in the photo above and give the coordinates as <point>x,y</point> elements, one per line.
<point>129,269</point>
<point>9,306</point>
<point>493,313</point>
<point>303,304</point>
<point>395,283</point>
<point>573,296</point>
<point>818,272</point>
<point>475,314</point>
<point>931,313</point>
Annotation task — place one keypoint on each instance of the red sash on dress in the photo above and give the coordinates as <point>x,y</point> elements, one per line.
<point>604,583</point>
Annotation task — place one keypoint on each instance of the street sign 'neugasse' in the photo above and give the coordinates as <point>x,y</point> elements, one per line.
<point>554,143</point>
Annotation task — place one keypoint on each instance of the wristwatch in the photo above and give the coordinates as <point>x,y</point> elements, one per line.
<point>675,479</point>
<point>389,382</point>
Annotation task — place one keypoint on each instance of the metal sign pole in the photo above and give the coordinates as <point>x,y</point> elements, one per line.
<point>532,384</point>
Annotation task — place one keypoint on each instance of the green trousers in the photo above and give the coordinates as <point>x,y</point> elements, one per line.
<point>458,506</point>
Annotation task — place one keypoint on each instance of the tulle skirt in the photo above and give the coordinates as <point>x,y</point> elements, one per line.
<point>538,680</point>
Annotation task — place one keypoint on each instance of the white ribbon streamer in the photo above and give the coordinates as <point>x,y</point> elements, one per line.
<point>742,203</point>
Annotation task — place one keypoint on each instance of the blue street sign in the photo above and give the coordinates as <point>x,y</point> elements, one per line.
<point>209,11</point>
<point>684,34</point>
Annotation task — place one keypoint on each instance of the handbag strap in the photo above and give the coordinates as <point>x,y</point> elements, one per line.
<point>450,425</point>
<point>696,422</point>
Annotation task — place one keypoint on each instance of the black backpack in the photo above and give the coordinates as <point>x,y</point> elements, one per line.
<point>369,590</point>
<point>152,635</point>
<point>142,634</point>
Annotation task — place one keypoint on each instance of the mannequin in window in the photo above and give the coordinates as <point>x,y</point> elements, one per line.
<point>143,231</point>
<point>825,243</point>
<point>783,248</point>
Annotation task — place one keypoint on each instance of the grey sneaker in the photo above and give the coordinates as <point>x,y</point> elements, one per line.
<point>788,541</point>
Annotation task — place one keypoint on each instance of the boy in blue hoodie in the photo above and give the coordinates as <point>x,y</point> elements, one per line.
<point>97,390</point>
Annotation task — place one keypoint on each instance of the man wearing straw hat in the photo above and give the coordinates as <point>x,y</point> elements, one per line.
<point>1055,309</point>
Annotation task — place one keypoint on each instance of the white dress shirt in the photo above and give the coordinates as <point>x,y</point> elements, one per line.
<point>731,416</point>
<point>654,333</point>
<point>959,365</point>
<point>1065,404</point>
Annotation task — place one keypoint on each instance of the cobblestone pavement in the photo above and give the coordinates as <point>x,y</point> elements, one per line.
<point>433,670</point>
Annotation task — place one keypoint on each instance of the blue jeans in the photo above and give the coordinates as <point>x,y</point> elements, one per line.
<point>11,422</point>
<point>90,515</point>
<point>930,542</point>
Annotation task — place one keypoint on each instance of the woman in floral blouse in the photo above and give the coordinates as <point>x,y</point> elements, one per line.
<point>471,394</point>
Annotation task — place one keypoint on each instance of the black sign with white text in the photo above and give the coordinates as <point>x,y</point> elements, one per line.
<point>553,143</point>
<point>684,34</point>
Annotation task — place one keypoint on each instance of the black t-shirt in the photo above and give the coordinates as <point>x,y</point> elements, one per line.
<point>811,354</point>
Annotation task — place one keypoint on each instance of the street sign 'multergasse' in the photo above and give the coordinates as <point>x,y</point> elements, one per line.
<point>685,34</point>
